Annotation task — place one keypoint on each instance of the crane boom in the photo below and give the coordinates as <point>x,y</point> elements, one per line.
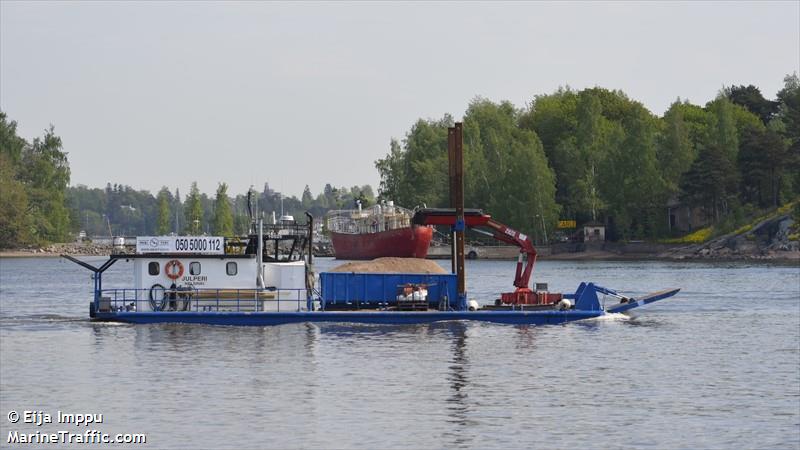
<point>475,218</point>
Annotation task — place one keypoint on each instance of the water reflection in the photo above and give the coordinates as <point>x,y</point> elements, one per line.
<point>312,338</point>
<point>422,386</point>
<point>357,330</point>
<point>526,337</point>
<point>167,337</point>
<point>311,345</point>
<point>458,406</point>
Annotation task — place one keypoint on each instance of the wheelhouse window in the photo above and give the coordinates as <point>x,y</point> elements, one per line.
<point>194,268</point>
<point>153,268</point>
<point>231,268</point>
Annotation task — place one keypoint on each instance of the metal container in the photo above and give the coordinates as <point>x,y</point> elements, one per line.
<point>373,290</point>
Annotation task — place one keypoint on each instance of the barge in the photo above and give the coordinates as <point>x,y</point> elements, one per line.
<point>252,282</point>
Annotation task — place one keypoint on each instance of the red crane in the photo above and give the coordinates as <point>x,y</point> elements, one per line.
<point>475,218</point>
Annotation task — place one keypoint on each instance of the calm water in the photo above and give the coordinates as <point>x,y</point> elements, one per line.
<point>718,366</point>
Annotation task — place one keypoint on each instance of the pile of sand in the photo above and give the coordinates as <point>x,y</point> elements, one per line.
<point>392,265</point>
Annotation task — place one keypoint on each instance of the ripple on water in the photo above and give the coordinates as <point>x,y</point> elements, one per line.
<point>715,367</point>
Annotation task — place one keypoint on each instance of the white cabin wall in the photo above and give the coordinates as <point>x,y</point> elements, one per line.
<point>288,277</point>
<point>137,274</point>
<point>212,275</point>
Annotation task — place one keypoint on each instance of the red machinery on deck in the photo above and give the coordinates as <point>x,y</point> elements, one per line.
<point>475,218</point>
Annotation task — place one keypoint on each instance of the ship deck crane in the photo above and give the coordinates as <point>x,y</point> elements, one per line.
<point>476,219</point>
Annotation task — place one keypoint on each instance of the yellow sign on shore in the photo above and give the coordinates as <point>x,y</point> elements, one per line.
<point>566,224</point>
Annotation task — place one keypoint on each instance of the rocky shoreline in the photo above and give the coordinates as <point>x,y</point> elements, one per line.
<point>770,239</point>
<point>71,248</point>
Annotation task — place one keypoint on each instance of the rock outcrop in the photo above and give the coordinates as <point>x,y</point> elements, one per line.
<point>768,239</point>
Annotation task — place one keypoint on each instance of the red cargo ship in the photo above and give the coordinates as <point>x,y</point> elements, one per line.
<point>378,231</point>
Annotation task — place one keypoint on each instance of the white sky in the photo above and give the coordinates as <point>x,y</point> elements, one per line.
<point>150,94</point>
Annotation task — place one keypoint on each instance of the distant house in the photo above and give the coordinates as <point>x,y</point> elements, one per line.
<point>594,232</point>
<point>684,218</point>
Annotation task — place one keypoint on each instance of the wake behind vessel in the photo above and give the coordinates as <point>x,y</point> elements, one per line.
<point>378,231</point>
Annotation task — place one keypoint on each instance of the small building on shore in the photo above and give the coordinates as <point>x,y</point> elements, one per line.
<point>594,232</point>
<point>684,218</point>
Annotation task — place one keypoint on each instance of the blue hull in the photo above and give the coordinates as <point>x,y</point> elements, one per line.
<point>586,306</point>
<point>368,317</point>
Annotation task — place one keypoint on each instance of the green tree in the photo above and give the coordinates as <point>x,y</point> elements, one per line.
<point>367,194</point>
<point>87,206</point>
<point>164,216</point>
<point>554,120</point>
<point>45,171</point>
<point>14,221</point>
<point>675,151</point>
<point>223,219</point>
<point>424,170</point>
<point>710,182</point>
<point>581,132</point>
<point>699,123</point>
<point>787,124</point>
<point>592,147</point>
<point>307,199</point>
<point>751,99</point>
<point>724,133</point>
<point>763,160</point>
<point>507,172</point>
<point>33,186</point>
<point>390,171</point>
<point>177,205</point>
<point>10,144</point>
<point>15,225</point>
<point>632,183</point>
<point>193,211</point>
<point>332,196</point>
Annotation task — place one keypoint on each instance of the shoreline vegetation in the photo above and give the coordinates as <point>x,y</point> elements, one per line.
<point>596,157</point>
<point>770,238</point>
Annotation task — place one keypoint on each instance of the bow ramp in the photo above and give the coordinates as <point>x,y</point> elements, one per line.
<point>635,303</point>
<point>586,299</point>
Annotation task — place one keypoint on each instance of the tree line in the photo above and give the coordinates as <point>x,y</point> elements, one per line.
<point>597,155</point>
<point>588,155</point>
<point>37,205</point>
<point>33,186</point>
<point>122,210</point>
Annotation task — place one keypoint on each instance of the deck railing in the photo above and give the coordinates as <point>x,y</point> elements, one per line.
<point>210,300</point>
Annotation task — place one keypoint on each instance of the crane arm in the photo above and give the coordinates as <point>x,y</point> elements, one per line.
<point>511,236</point>
<point>475,218</point>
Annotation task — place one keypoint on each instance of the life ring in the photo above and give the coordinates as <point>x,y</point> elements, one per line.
<point>156,303</point>
<point>173,269</point>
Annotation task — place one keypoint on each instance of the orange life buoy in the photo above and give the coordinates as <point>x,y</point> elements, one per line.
<point>173,269</point>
